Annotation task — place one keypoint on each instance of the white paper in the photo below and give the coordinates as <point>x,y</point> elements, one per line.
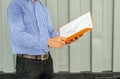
<point>76,25</point>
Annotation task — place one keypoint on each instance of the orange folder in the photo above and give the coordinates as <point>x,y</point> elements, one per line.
<point>77,27</point>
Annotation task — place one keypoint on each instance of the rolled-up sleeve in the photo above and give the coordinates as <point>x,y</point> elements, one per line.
<point>51,30</point>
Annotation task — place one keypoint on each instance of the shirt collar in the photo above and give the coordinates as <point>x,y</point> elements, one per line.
<point>31,0</point>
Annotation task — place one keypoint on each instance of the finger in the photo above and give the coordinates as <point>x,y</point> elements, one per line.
<point>63,38</point>
<point>62,42</point>
<point>67,42</point>
<point>59,45</point>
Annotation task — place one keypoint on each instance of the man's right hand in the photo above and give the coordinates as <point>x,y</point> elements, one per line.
<point>56,42</point>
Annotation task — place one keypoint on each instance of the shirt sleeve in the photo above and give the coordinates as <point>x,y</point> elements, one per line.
<point>17,28</point>
<point>51,30</point>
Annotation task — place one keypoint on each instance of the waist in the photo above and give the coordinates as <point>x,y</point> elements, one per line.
<point>28,51</point>
<point>36,57</point>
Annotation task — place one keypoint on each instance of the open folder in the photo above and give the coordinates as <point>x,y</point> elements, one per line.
<point>77,27</point>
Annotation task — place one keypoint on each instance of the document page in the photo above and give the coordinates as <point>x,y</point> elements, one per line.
<point>77,25</point>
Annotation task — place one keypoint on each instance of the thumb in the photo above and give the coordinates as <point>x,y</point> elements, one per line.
<point>63,38</point>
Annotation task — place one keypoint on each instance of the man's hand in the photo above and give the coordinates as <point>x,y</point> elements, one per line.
<point>56,42</point>
<point>74,39</point>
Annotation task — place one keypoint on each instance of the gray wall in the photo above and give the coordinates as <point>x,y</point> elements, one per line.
<point>6,57</point>
<point>102,35</point>
<point>96,51</point>
<point>116,37</point>
<point>1,37</point>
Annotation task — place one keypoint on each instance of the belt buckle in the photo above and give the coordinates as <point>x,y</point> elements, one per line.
<point>44,58</point>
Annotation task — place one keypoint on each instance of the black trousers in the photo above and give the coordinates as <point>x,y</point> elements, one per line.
<point>34,69</point>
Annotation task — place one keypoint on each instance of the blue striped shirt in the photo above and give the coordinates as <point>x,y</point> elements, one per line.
<point>29,27</point>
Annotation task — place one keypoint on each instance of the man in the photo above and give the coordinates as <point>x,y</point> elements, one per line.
<point>31,36</point>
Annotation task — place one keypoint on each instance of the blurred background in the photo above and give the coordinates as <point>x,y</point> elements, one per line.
<point>97,51</point>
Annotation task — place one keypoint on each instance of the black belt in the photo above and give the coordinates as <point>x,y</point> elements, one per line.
<point>37,57</point>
